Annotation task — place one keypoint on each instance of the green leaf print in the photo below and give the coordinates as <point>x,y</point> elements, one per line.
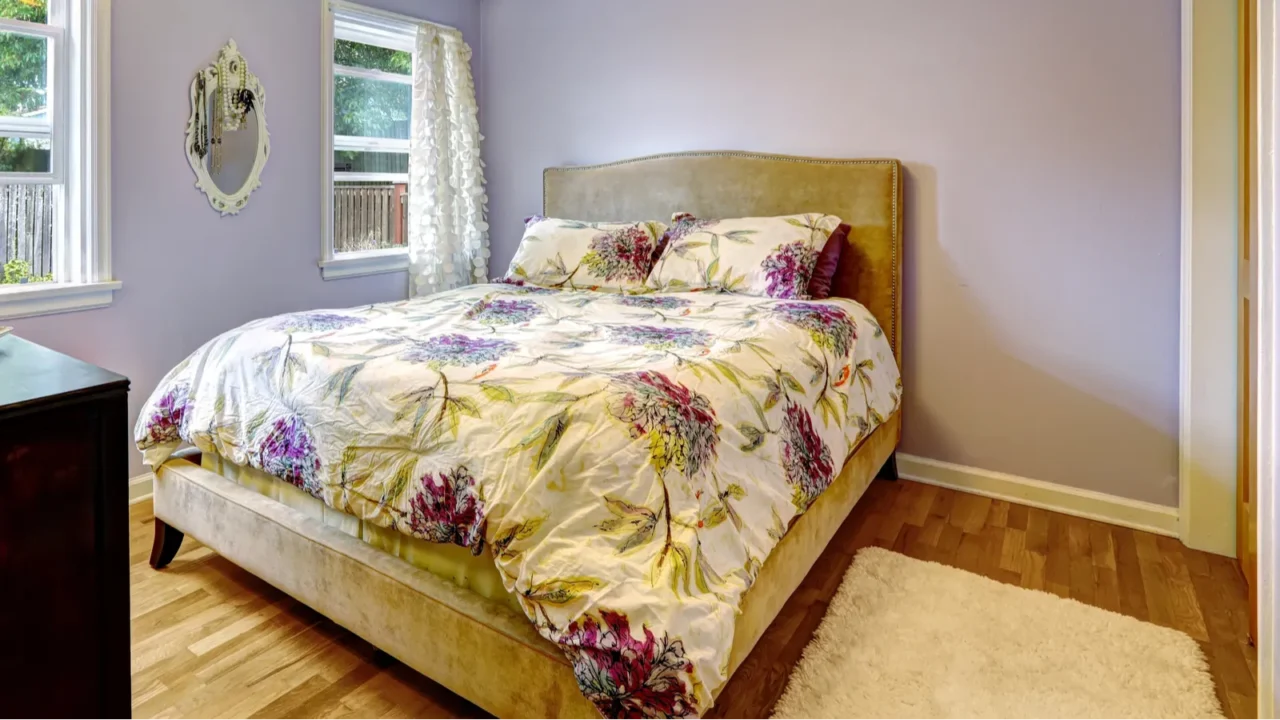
<point>550,397</point>
<point>256,422</point>
<point>828,409</point>
<point>637,523</point>
<point>713,515</point>
<point>510,532</point>
<point>754,436</point>
<point>703,572</point>
<point>400,481</point>
<point>777,529</point>
<point>497,393</point>
<point>674,566</point>
<point>792,383</point>
<point>561,590</point>
<point>416,403</point>
<point>340,383</point>
<point>556,592</point>
<point>728,371</point>
<point>544,439</point>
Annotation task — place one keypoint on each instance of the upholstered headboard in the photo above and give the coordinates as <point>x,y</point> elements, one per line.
<point>866,194</point>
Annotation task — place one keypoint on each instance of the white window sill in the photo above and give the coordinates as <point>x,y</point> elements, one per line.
<point>17,301</point>
<point>372,262</point>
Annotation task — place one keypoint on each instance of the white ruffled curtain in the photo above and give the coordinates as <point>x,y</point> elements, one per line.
<point>448,235</point>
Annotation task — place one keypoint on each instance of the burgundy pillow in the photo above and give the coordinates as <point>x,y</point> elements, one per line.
<point>825,269</point>
<point>660,248</point>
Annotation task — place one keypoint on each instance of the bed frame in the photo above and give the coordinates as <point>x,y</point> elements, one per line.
<point>481,649</point>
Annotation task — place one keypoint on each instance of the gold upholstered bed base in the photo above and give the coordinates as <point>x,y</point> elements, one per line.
<point>477,573</point>
<point>480,649</point>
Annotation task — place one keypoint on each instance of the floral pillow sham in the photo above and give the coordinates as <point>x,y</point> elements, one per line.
<point>766,256</point>
<point>571,254</point>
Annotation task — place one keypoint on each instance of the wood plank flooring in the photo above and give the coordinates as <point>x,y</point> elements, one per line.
<point>211,640</point>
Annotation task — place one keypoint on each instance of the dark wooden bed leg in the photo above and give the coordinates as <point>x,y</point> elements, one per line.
<point>890,469</point>
<point>165,545</point>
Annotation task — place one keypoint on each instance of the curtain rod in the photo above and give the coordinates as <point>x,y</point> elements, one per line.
<point>386,14</point>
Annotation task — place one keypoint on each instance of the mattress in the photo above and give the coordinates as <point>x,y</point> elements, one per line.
<point>476,573</point>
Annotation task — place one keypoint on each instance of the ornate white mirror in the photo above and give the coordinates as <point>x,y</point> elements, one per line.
<point>227,142</point>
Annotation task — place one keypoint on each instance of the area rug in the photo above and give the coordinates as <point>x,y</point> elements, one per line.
<point>907,638</point>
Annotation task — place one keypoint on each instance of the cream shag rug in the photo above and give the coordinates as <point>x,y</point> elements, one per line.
<point>908,638</point>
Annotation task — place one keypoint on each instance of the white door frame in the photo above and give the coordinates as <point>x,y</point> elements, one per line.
<point>1207,434</point>
<point>1268,342</point>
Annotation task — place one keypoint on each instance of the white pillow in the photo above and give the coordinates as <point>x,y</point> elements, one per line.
<point>578,255</point>
<point>767,256</point>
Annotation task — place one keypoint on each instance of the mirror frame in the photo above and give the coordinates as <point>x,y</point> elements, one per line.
<point>229,203</point>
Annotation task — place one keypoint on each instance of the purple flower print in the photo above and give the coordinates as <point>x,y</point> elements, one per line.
<point>447,509</point>
<point>626,676</point>
<point>659,338</point>
<point>314,322</point>
<point>287,450</point>
<point>683,224</point>
<point>788,269</point>
<point>457,350</point>
<point>493,311</point>
<point>830,327</point>
<point>680,423</point>
<point>653,302</point>
<point>167,416</point>
<point>806,460</point>
<point>622,254</point>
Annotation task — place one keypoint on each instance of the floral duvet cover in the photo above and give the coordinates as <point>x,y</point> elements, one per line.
<point>629,461</point>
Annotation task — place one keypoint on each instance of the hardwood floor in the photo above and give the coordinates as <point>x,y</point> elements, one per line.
<point>211,640</point>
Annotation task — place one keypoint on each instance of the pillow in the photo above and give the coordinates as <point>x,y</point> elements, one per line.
<point>828,260</point>
<point>769,256</point>
<point>594,256</point>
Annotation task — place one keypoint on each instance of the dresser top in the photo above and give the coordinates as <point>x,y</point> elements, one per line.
<point>30,373</point>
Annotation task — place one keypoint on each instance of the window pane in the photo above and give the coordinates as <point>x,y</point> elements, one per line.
<point>368,216</point>
<point>26,233</point>
<point>24,155</point>
<point>370,162</point>
<point>36,11</point>
<point>371,108</point>
<point>369,57</point>
<point>23,81</point>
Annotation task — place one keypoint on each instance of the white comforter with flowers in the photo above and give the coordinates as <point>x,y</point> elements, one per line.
<point>629,461</point>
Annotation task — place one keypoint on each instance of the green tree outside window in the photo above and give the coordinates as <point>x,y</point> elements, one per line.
<point>22,92</point>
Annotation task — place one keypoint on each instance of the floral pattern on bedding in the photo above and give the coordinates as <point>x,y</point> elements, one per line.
<point>571,254</point>
<point>767,256</point>
<point>629,461</point>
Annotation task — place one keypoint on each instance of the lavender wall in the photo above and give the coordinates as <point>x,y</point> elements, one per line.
<point>1041,140</point>
<point>188,274</point>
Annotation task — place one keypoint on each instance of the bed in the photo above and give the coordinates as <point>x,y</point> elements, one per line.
<point>464,619</point>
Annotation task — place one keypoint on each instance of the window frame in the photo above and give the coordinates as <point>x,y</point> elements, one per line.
<point>53,127</point>
<point>357,23</point>
<point>79,131</point>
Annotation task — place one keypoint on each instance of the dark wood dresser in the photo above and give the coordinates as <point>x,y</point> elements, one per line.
<point>64,536</point>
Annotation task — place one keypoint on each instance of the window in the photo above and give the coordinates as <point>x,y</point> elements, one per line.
<point>54,139</point>
<point>368,106</point>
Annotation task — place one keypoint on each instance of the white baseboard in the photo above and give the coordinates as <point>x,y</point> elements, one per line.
<point>140,487</point>
<point>1159,519</point>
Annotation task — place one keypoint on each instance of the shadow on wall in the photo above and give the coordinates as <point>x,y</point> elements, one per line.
<point>1112,448</point>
